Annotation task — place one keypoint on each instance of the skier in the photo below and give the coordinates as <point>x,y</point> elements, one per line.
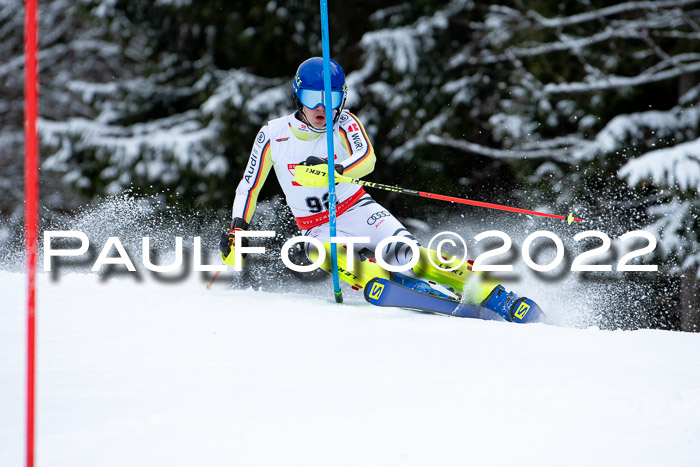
<point>299,138</point>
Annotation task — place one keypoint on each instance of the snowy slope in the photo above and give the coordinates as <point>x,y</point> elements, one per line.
<point>146,373</point>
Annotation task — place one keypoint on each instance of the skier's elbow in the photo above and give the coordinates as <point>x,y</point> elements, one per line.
<point>365,167</point>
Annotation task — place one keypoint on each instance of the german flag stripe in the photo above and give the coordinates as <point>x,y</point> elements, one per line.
<point>369,145</point>
<point>253,193</point>
<point>344,135</point>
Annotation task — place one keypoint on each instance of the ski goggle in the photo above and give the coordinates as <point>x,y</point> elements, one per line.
<point>311,98</point>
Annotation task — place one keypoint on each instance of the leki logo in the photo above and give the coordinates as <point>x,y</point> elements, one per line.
<point>522,310</point>
<point>376,291</point>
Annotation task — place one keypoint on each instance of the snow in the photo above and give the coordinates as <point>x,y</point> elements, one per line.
<point>402,43</point>
<point>673,229</point>
<point>474,148</point>
<point>617,133</point>
<point>510,129</point>
<point>229,91</point>
<point>151,373</point>
<point>175,3</point>
<point>677,166</point>
<point>616,82</point>
<point>125,148</point>
<point>596,15</point>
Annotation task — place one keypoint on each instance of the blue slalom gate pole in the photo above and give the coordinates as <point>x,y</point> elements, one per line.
<point>331,152</point>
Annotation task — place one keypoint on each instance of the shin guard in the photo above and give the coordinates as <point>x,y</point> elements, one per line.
<point>475,287</point>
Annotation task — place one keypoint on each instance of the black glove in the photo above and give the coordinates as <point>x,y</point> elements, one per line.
<point>228,239</point>
<point>314,160</point>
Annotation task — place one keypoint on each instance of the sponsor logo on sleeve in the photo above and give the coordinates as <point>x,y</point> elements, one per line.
<point>356,141</point>
<point>377,216</point>
<point>261,137</point>
<point>251,167</point>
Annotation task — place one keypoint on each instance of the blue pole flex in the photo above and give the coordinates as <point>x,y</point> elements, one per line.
<point>331,152</point>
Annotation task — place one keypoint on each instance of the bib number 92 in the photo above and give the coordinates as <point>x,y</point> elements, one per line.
<point>317,204</point>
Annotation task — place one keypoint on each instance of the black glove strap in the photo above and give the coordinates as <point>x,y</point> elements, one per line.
<point>314,160</point>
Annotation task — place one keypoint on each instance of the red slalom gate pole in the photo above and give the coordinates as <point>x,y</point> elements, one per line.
<point>31,208</point>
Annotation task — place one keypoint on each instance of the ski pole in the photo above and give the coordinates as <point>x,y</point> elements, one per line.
<point>211,282</point>
<point>312,176</point>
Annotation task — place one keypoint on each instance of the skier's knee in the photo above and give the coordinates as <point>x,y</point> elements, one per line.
<point>399,252</point>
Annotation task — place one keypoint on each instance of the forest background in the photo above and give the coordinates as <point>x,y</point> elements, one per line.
<point>580,105</point>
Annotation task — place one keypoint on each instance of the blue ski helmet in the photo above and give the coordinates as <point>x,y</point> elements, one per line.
<point>308,85</point>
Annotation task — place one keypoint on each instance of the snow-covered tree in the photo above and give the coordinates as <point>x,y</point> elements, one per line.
<point>675,173</point>
<point>552,103</point>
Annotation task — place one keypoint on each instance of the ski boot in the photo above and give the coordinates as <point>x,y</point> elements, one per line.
<point>513,308</point>
<point>427,287</point>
